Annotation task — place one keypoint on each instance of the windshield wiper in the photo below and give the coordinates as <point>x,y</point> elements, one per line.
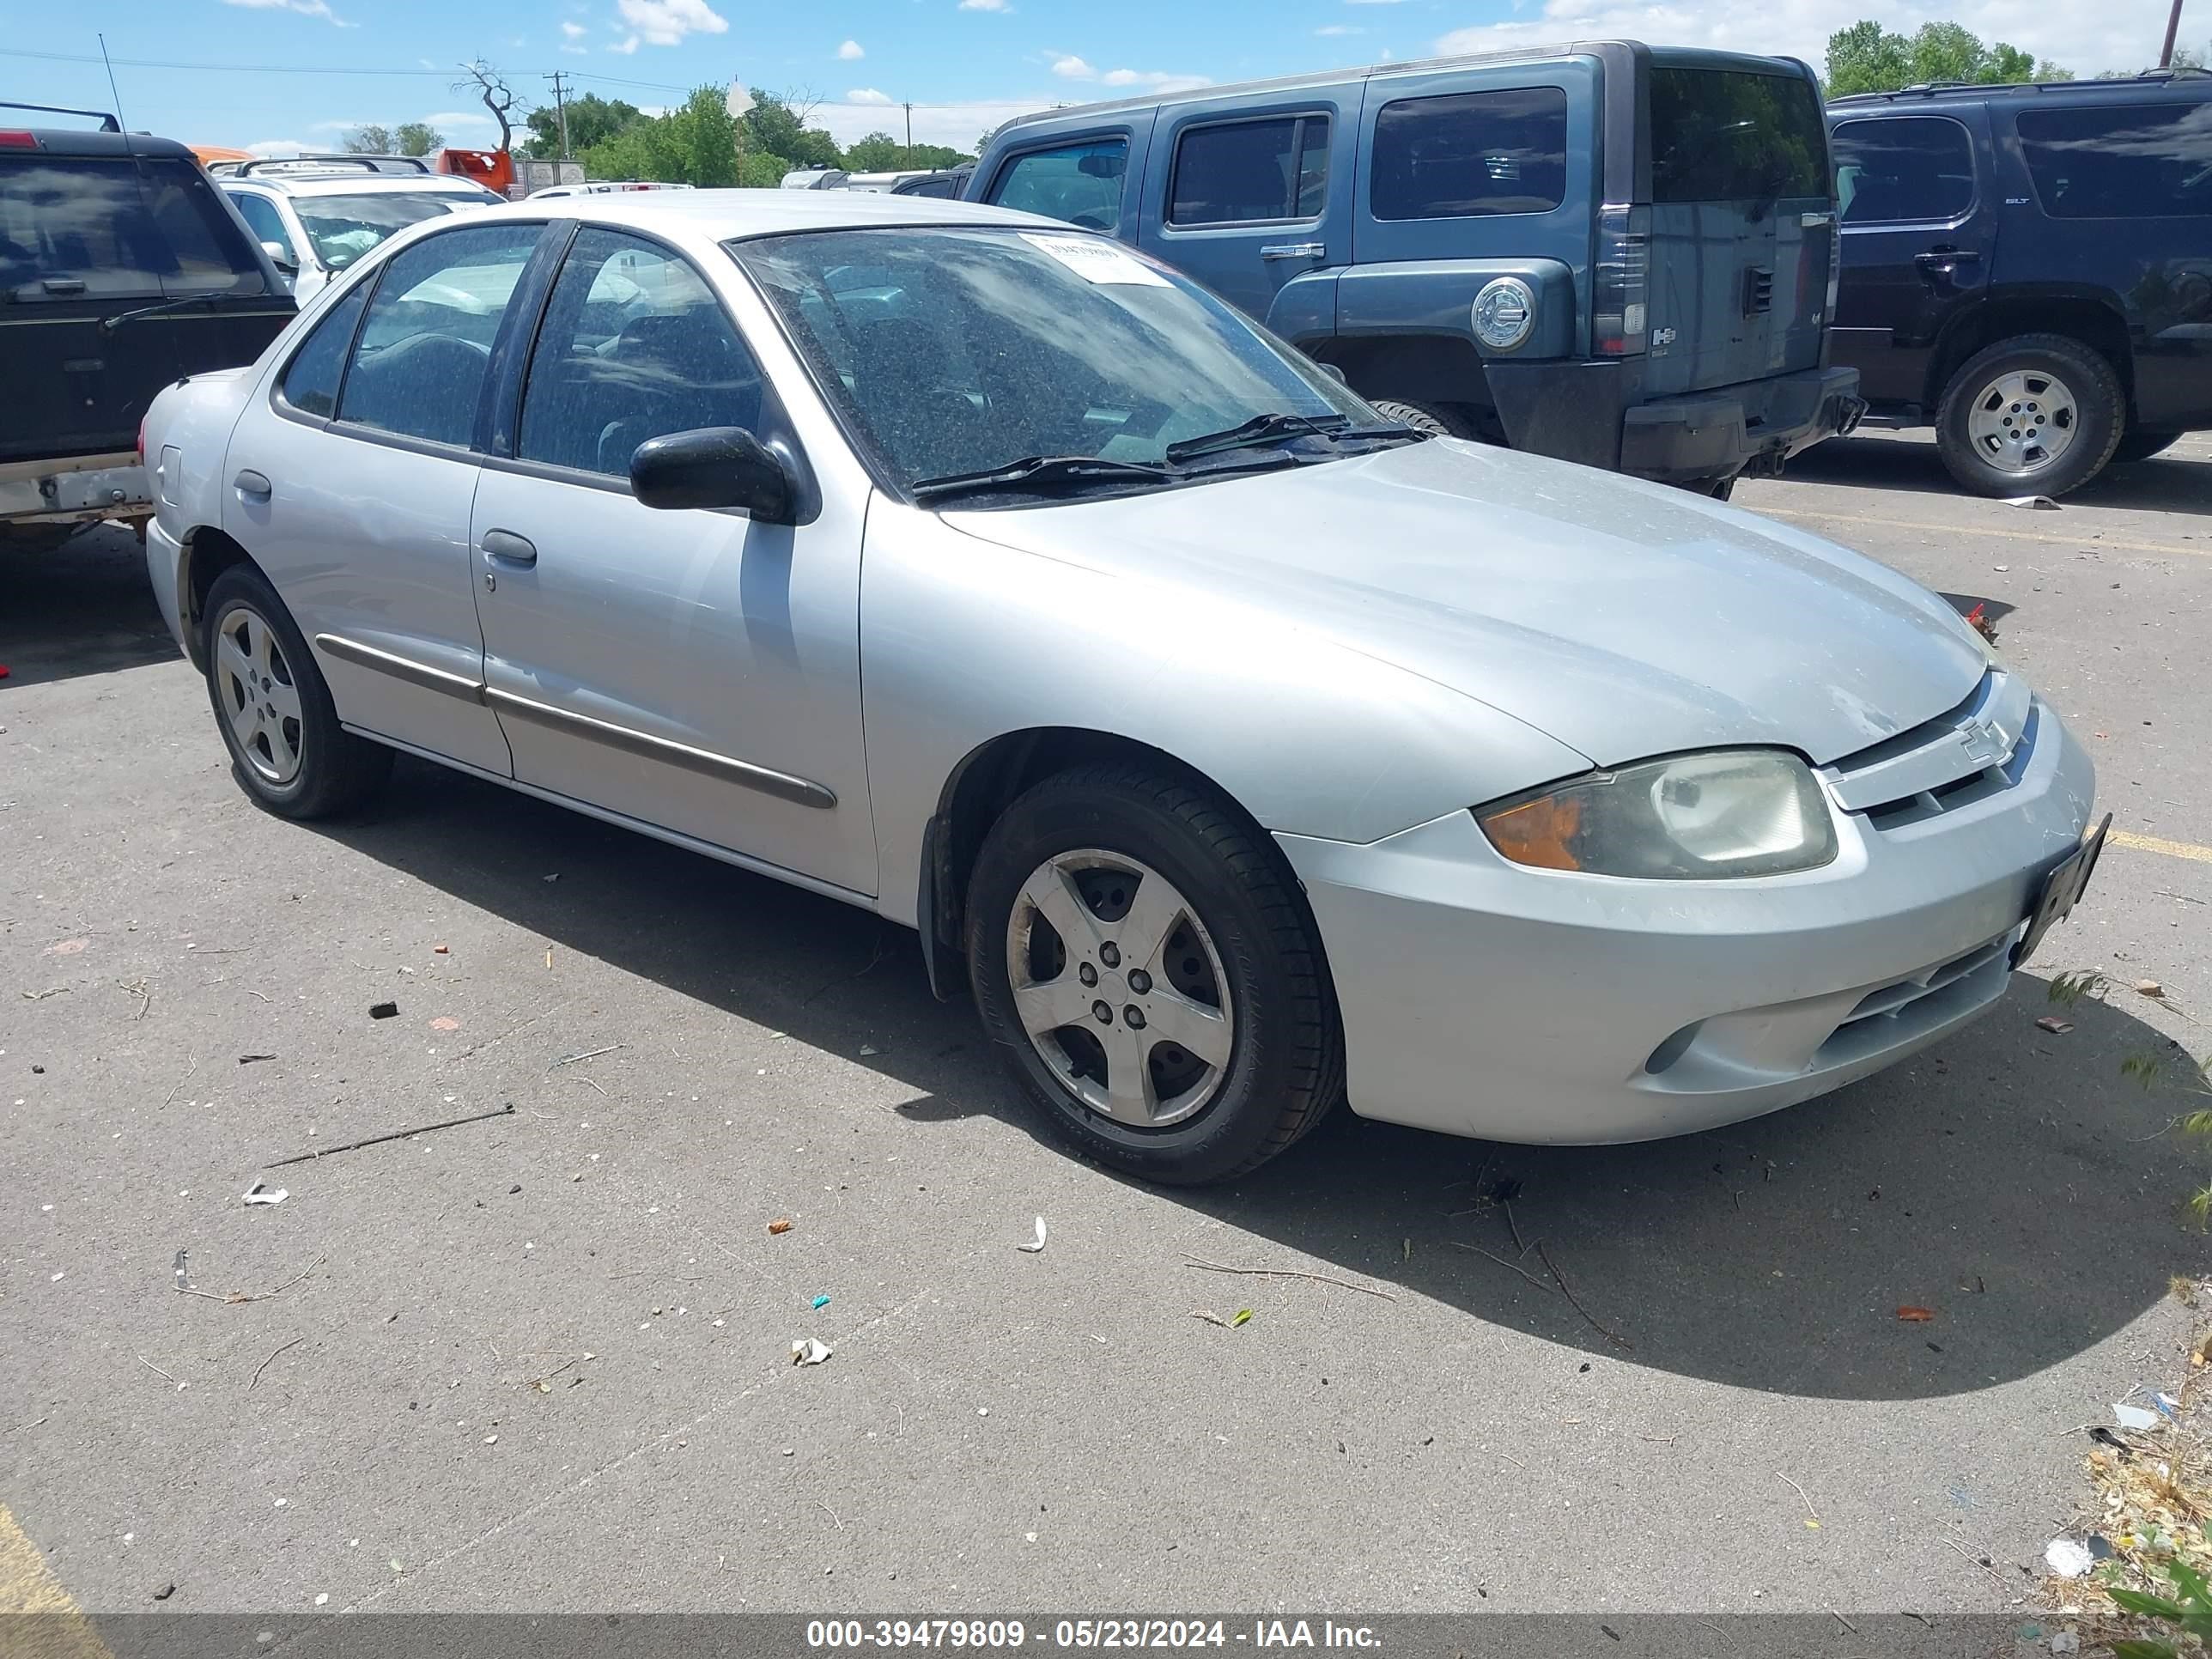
<point>109,325</point>
<point>1044,473</point>
<point>1259,429</point>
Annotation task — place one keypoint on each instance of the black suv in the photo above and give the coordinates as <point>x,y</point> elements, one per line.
<point>121,268</point>
<point>2030,269</point>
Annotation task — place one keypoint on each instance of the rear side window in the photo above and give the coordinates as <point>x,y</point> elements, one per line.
<point>425,344</point>
<point>1470,153</point>
<point>1911,170</point>
<point>311,381</point>
<point>97,226</point>
<point>1727,135</point>
<point>1080,184</point>
<point>2138,161</point>
<point>1247,171</point>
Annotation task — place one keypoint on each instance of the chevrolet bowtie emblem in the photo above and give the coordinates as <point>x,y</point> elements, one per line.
<point>1984,746</point>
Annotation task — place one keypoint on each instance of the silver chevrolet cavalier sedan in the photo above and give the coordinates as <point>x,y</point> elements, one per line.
<point>1240,750</point>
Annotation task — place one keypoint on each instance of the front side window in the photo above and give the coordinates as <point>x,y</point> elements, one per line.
<point>1914,169</point>
<point>1251,171</point>
<point>633,346</point>
<point>311,379</point>
<point>2136,162</point>
<point>343,227</point>
<point>1730,135</point>
<point>425,344</point>
<point>100,225</point>
<point>1080,183</point>
<point>262,219</point>
<point>952,350</point>
<point>1471,154</point>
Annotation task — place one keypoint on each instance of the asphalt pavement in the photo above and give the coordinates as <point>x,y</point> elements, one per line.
<point>542,1360</point>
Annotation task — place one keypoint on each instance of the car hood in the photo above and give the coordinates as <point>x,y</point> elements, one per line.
<point>1623,618</point>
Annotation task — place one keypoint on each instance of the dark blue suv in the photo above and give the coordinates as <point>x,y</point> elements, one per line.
<point>1605,253</point>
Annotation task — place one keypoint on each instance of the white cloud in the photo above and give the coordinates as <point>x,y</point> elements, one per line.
<point>268,146</point>
<point>1155,80</point>
<point>2084,39</point>
<point>458,117</point>
<point>867,95</point>
<point>958,125</point>
<point>985,5</point>
<point>625,47</point>
<point>305,8</point>
<point>1340,28</point>
<point>665,23</point>
<point>1073,68</point>
<point>851,50</point>
<point>574,31</point>
<point>577,52</point>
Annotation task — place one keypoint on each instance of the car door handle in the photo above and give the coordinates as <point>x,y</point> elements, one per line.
<point>507,547</point>
<point>1942,261</point>
<point>254,485</point>
<point>1295,251</point>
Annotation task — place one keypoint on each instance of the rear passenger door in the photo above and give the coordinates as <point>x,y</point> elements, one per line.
<point>1241,198</point>
<point>1920,218</point>
<point>690,670</point>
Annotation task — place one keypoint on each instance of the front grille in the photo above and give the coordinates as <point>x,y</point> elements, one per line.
<point>1968,754</point>
<point>1920,1002</point>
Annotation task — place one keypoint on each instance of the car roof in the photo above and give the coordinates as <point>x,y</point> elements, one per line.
<point>62,141</point>
<point>2153,84</point>
<point>357,184</point>
<point>720,214</point>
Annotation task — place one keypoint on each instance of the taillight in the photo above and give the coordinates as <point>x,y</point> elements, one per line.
<point>1835,264</point>
<point>13,139</point>
<point>142,443</point>
<point>1621,289</point>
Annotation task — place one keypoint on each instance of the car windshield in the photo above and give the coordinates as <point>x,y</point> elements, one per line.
<point>959,351</point>
<point>343,227</point>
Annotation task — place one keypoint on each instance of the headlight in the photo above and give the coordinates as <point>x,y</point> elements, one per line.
<point>1755,812</point>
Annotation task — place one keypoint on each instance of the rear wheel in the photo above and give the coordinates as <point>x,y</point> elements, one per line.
<point>1437,420</point>
<point>2036,416</point>
<point>2140,446</point>
<point>1148,974</point>
<point>287,748</point>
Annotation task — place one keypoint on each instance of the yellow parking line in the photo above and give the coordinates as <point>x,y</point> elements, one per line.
<point>29,1586</point>
<point>2080,544</point>
<point>2172,849</point>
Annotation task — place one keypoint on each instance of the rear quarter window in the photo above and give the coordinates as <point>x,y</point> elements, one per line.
<point>117,227</point>
<point>1733,135</point>
<point>1467,154</point>
<point>2132,161</point>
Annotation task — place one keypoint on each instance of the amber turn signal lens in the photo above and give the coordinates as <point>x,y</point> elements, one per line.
<point>1540,832</point>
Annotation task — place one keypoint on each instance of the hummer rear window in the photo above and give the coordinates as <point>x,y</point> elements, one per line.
<point>1731,136</point>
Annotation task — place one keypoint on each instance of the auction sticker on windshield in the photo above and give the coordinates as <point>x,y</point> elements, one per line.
<point>1095,259</point>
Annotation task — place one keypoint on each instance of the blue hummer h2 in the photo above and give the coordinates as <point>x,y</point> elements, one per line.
<point>1612,253</point>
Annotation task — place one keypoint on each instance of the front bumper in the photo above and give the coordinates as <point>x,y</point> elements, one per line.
<point>1754,427</point>
<point>67,492</point>
<point>1480,997</point>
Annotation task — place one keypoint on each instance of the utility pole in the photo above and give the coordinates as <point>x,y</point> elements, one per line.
<point>561,108</point>
<point>2172,29</point>
<point>909,108</point>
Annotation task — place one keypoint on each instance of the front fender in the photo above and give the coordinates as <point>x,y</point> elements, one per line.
<point>963,641</point>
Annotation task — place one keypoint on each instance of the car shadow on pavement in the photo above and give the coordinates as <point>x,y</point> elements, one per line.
<point>82,608</point>
<point>2164,484</point>
<point>2010,1183</point>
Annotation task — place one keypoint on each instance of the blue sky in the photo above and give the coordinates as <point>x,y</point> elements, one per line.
<point>283,74</point>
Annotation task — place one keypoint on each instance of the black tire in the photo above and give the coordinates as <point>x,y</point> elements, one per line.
<point>1285,1068</point>
<point>1437,420</point>
<point>2099,414</point>
<point>2140,446</point>
<point>335,771</point>
<point>1717,489</point>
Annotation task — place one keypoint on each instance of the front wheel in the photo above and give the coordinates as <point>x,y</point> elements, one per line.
<point>1151,976</point>
<point>2036,416</point>
<point>1437,420</point>
<point>274,709</point>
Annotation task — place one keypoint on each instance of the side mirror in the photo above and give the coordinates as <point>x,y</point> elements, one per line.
<point>1335,371</point>
<point>714,466</point>
<point>281,256</point>
<point>1100,164</point>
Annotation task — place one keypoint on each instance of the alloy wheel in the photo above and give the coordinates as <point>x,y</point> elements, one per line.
<point>259,698</point>
<point>2022,421</point>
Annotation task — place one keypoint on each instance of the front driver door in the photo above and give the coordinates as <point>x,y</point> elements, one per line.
<point>694,671</point>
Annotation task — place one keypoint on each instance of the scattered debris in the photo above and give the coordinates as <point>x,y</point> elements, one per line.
<point>810,1352</point>
<point>68,947</point>
<point>820,1303</point>
<point>2068,1557</point>
<point>323,1600</point>
<point>1567,1291</point>
<point>869,1049</point>
<point>397,1135</point>
<point>2149,988</point>
<point>440,950</point>
<point>183,1278</point>
<point>261,1296</point>
<point>157,1370</point>
<point>264,1364</point>
<point>2065,1641</point>
<point>1031,1249</point>
<point>50,991</point>
<point>2053,1024</point>
<point>165,1592</point>
<point>248,1060</point>
<point>1916,1316</point>
<point>262,1193</point>
<point>2134,1416</point>
<point>1978,620</point>
<point>1242,1317</point>
<point>1812,1515</point>
<point>445,1023</point>
<point>781,1225</point>
<point>1209,1317</point>
<point>588,1053</point>
<point>384,1010</point>
<point>2032,503</point>
<point>1190,1260</point>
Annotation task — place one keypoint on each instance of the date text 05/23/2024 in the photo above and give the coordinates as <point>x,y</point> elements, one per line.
<point>986,1634</point>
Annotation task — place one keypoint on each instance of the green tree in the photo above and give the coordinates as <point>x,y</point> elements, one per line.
<point>877,153</point>
<point>777,125</point>
<point>417,139</point>
<point>1867,57</point>
<point>591,120</point>
<point>369,140</point>
<point>694,144</point>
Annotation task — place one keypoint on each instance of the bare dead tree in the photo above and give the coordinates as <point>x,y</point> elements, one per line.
<point>490,85</point>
